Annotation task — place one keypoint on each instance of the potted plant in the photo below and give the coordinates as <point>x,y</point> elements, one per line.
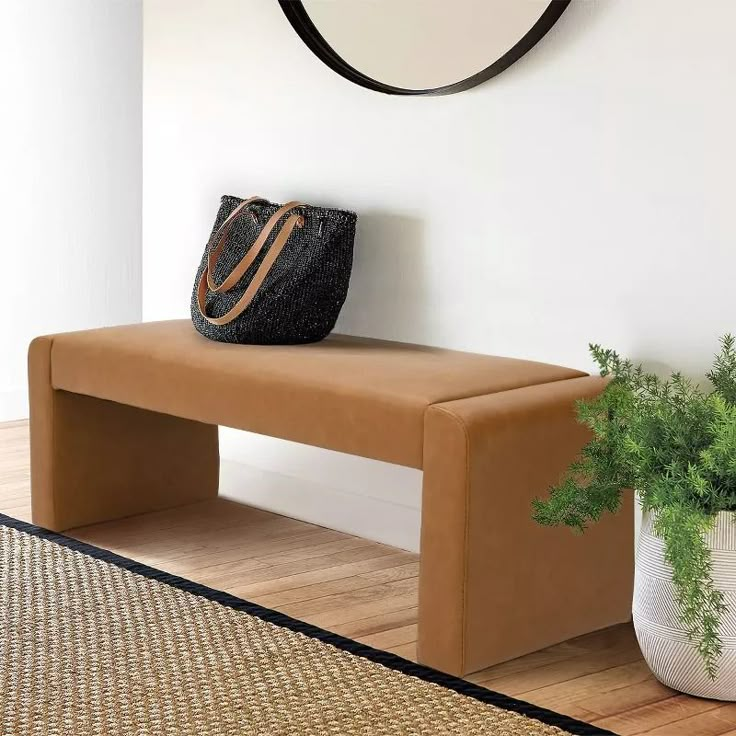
<point>673,441</point>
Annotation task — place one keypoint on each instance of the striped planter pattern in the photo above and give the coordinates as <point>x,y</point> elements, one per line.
<point>663,641</point>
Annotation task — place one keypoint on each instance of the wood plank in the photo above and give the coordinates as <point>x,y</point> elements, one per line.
<point>9,497</point>
<point>714,722</point>
<point>407,651</point>
<point>542,658</point>
<point>318,565</point>
<point>342,585</point>
<point>22,512</point>
<point>598,642</point>
<point>663,713</point>
<point>323,575</point>
<point>329,619</point>
<point>307,609</point>
<point>392,637</point>
<point>21,424</point>
<point>627,698</point>
<point>542,679</point>
<point>377,623</point>
<point>217,562</point>
<point>254,543</point>
<point>570,691</point>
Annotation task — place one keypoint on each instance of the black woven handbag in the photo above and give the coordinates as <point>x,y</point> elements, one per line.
<point>273,274</point>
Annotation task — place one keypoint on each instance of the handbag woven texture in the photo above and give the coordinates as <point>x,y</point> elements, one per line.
<point>273,274</point>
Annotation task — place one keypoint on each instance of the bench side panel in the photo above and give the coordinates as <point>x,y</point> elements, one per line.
<point>493,584</point>
<point>94,460</point>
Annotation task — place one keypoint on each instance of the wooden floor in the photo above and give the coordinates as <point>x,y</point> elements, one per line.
<point>368,591</point>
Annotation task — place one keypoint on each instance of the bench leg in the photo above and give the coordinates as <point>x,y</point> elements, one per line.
<point>94,460</point>
<point>494,585</point>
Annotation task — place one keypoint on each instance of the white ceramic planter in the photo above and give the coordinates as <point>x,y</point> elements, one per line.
<point>663,641</point>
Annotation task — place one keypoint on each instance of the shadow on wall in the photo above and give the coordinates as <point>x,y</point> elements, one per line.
<point>388,295</point>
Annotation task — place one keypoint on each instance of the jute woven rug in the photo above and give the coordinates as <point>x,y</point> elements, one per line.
<point>93,644</point>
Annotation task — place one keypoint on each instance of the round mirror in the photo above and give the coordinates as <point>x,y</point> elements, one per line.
<point>421,47</point>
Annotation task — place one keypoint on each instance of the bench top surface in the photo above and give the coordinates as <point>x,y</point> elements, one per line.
<point>358,395</point>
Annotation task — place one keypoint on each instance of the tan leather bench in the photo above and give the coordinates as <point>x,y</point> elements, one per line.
<point>124,421</point>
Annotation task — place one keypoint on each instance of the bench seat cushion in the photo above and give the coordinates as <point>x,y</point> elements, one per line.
<point>360,396</point>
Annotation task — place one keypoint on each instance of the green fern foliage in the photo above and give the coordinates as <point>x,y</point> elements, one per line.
<point>675,443</point>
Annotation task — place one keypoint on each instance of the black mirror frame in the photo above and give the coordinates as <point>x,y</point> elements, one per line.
<point>297,15</point>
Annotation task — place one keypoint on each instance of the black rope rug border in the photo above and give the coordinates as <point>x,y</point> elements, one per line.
<point>392,661</point>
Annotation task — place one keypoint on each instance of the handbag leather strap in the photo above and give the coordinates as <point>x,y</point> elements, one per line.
<point>294,220</point>
<point>217,241</point>
<point>237,273</point>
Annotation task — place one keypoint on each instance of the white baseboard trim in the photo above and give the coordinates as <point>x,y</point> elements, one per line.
<point>364,516</point>
<point>350,474</point>
<point>13,404</point>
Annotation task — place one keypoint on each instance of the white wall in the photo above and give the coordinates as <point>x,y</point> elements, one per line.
<point>70,173</point>
<point>585,194</point>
